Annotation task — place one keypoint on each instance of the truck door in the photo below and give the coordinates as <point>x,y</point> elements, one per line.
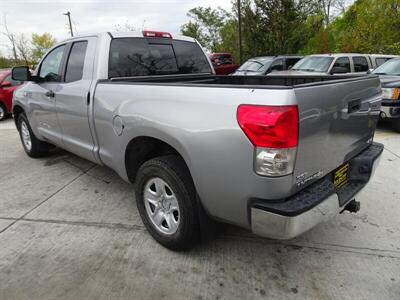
<point>73,98</point>
<point>42,96</point>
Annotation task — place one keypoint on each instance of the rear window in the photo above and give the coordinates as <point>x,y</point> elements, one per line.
<point>143,57</point>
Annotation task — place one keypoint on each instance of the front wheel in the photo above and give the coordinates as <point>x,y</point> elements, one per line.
<point>32,146</point>
<point>166,200</point>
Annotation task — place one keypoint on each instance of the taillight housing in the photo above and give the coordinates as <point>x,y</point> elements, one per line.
<point>274,131</point>
<point>157,34</point>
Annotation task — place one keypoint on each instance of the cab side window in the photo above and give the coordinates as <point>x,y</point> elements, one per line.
<point>76,62</point>
<point>277,65</point>
<point>50,69</point>
<point>343,62</point>
<point>381,60</point>
<point>360,64</point>
<point>290,62</point>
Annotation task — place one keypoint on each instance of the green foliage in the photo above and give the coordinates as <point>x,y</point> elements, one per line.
<point>272,27</point>
<point>206,27</point>
<point>29,51</point>
<point>40,44</point>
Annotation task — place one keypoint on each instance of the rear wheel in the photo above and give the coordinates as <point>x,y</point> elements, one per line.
<point>32,146</point>
<point>166,200</point>
<point>396,125</point>
<point>3,113</point>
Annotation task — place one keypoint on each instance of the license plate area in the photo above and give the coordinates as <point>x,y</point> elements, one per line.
<point>341,176</point>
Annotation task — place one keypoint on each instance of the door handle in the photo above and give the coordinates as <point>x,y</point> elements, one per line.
<point>50,94</point>
<point>354,106</point>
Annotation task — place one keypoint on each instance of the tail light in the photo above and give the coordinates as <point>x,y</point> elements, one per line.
<point>274,131</point>
<point>157,34</point>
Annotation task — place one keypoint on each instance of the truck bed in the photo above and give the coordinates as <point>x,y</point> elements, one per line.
<point>271,81</point>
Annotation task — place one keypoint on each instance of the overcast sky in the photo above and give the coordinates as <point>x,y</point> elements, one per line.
<point>91,16</point>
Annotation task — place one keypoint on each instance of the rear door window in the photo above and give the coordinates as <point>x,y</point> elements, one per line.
<point>143,57</point>
<point>290,62</point>
<point>343,62</point>
<point>360,64</point>
<point>76,62</point>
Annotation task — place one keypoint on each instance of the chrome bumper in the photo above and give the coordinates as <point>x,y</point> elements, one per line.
<point>390,112</point>
<point>271,225</point>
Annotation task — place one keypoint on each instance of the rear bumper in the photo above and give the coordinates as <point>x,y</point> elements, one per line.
<point>317,203</point>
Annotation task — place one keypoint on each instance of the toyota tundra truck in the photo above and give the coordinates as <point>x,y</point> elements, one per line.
<point>276,155</point>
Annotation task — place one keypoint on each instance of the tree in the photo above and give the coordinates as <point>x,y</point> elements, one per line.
<point>331,8</point>
<point>193,30</point>
<point>40,44</point>
<point>369,26</point>
<point>23,47</point>
<point>10,36</point>
<point>206,25</point>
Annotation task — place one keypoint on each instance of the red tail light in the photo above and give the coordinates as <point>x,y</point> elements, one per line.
<point>270,126</point>
<point>157,34</point>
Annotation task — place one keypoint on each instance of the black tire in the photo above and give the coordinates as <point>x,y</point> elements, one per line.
<point>3,112</point>
<point>396,125</point>
<point>38,148</point>
<point>173,171</point>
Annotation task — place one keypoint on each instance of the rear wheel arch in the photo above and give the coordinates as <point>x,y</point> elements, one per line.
<point>17,111</point>
<point>143,148</point>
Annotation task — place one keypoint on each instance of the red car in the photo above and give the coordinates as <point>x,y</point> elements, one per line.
<point>223,63</point>
<point>7,88</point>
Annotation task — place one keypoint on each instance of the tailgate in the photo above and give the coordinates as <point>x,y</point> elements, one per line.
<point>337,121</point>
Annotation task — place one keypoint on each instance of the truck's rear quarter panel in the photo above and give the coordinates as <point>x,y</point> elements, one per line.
<point>200,123</point>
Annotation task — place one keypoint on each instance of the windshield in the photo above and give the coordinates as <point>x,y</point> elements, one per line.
<point>255,65</point>
<point>391,67</point>
<point>313,64</point>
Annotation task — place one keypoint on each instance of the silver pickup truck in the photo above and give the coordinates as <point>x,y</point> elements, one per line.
<point>276,155</point>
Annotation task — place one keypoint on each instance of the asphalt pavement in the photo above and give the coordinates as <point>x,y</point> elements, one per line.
<point>69,229</point>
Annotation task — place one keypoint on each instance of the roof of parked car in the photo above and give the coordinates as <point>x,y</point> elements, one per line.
<point>340,54</point>
<point>277,56</point>
<point>384,55</point>
<point>128,34</point>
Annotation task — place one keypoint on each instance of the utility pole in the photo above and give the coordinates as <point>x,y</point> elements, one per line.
<point>240,31</point>
<point>68,14</point>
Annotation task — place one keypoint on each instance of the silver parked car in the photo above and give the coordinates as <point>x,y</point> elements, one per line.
<point>263,65</point>
<point>389,74</point>
<point>339,63</point>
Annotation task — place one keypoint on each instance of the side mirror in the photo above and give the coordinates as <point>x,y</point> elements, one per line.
<point>5,84</point>
<point>21,74</point>
<point>339,70</point>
